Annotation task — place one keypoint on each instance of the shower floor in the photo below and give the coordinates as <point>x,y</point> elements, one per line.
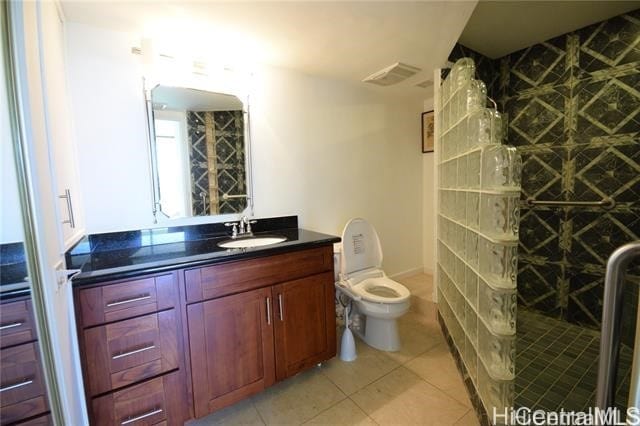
<point>557,365</point>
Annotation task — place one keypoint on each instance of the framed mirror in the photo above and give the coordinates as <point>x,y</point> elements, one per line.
<point>199,153</point>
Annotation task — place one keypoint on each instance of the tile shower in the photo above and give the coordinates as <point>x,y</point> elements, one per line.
<point>571,106</point>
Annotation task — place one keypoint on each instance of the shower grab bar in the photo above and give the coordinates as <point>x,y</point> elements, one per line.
<point>607,203</point>
<point>230,196</point>
<point>610,331</point>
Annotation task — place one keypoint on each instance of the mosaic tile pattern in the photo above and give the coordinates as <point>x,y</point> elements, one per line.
<point>196,131</point>
<point>230,167</point>
<point>573,109</point>
<point>222,171</point>
<point>557,365</point>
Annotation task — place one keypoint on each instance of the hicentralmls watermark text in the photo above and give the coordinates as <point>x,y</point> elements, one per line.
<point>592,417</point>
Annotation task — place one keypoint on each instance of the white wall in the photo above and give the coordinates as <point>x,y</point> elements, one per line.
<point>10,216</point>
<point>428,206</point>
<point>322,149</point>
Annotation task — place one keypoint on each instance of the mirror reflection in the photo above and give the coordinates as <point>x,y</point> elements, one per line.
<point>198,153</point>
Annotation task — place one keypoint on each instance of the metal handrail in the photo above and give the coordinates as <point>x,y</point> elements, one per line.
<point>607,203</point>
<point>611,321</point>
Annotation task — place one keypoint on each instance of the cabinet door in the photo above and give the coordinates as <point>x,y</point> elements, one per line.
<point>305,325</point>
<point>231,343</point>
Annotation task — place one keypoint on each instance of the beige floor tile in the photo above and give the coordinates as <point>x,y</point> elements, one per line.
<point>297,399</point>
<point>344,413</point>
<point>469,419</point>
<point>242,413</point>
<point>403,398</point>
<point>417,335</point>
<point>370,365</point>
<point>437,367</point>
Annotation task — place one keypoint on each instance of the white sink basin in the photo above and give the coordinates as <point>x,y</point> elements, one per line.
<point>251,242</point>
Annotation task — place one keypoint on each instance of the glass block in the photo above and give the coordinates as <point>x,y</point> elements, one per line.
<point>460,240</point>
<point>498,263</point>
<point>497,127</point>
<point>476,96</point>
<point>471,248</point>
<point>496,168</point>
<point>498,394</point>
<point>500,217</point>
<point>471,287</point>
<point>471,360</point>
<point>471,323</point>
<point>473,210</point>
<point>462,71</point>
<point>498,308</point>
<point>459,275</point>
<point>479,128</point>
<point>461,206</point>
<point>462,172</point>
<point>515,161</point>
<point>473,170</point>
<point>497,352</point>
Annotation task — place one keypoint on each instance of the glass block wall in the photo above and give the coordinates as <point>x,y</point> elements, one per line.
<point>478,218</point>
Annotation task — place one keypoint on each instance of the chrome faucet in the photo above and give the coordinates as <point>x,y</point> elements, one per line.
<point>242,228</point>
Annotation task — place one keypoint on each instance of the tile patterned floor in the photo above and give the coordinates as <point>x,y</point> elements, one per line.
<point>418,385</point>
<point>557,365</point>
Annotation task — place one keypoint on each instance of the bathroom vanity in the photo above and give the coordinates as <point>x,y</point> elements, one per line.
<point>173,327</point>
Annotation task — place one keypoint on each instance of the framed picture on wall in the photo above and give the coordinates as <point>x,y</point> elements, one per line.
<point>428,129</point>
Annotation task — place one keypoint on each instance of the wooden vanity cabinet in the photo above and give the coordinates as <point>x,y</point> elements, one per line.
<point>268,319</point>
<point>161,348</point>
<point>130,335</point>
<point>23,394</point>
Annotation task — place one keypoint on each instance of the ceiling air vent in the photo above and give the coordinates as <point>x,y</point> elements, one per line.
<point>391,75</point>
<point>425,84</point>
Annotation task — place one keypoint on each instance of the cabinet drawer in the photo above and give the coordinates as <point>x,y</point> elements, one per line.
<point>126,299</point>
<point>44,420</point>
<point>234,277</point>
<point>23,390</point>
<point>16,323</point>
<point>125,352</point>
<point>149,403</point>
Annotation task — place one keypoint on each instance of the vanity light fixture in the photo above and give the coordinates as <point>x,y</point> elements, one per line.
<point>392,75</point>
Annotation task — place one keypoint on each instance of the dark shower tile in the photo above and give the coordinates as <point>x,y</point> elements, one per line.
<point>607,107</point>
<point>609,43</point>
<point>539,234</point>
<point>585,298</point>
<point>607,171</point>
<point>538,65</point>
<point>539,286</point>
<point>596,234</point>
<point>537,119</point>
<point>542,173</point>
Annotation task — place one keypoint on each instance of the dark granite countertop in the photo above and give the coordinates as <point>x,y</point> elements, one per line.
<point>127,254</point>
<point>14,280</point>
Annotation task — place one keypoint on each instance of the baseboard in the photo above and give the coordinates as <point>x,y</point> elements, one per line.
<point>427,271</point>
<point>407,273</point>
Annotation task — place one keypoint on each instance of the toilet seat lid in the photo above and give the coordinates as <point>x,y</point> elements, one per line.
<point>360,247</point>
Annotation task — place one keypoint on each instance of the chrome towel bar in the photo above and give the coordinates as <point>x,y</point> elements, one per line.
<point>607,203</point>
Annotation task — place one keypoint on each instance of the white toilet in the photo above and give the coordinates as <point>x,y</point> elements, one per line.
<point>378,300</point>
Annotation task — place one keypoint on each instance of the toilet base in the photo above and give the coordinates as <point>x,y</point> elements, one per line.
<point>379,333</point>
<point>382,334</point>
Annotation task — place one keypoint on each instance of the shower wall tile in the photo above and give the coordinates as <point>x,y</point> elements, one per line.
<point>611,170</point>
<point>572,107</point>
<point>609,44</point>
<point>540,286</point>
<point>543,169</point>
<point>543,64</point>
<point>585,297</point>
<point>607,107</point>
<point>537,119</point>
<point>540,235</point>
